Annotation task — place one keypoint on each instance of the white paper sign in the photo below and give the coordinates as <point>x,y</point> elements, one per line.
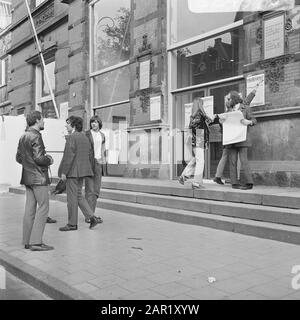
<point>233,130</point>
<point>64,107</point>
<point>274,37</point>
<point>155,103</point>
<point>208,105</point>
<point>251,83</point>
<point>187,114</point>
<point>144,74</point>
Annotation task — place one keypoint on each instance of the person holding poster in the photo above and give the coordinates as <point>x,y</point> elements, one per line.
<point>234,103</point>
<point>199,122</point>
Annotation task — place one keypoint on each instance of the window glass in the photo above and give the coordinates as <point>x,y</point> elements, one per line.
<point>206,15</point>
<point>38,2</point>
<point>112,86</point>
<point>111,33</point>
<point>50,71</point>
<point>213,59</point>
<point>115,122</point>
<point>183,140</point>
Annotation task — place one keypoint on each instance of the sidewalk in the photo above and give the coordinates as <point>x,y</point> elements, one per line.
<point>132,257</point>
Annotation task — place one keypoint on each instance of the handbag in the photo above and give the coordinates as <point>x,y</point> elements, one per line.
<point>60,187</point>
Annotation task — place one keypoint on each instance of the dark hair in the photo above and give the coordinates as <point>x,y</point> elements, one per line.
<point>235,97</point>
<point>95,118</point>
<point>32,116</point>
<point>75,122</point>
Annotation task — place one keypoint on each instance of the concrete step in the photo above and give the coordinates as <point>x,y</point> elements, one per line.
<point>224,208</point>
<point>149,207</point>
<point>220,193</point>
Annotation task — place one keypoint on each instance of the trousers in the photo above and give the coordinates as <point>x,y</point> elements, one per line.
<point>222,164</point>
<point>75,199</point>
<point>242,152</point>
<point>34,219</point>
<point>92,186</point>
<point>196,166</point>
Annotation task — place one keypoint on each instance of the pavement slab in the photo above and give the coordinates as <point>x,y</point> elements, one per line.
<point>135,257</point>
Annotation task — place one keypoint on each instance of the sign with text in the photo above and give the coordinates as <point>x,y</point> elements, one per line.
<point>144,74</point>
<point>273,32</point>
<point>155,104</point>
<point>251,83</point>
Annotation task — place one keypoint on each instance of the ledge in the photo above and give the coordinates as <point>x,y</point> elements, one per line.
<point>277,112</point>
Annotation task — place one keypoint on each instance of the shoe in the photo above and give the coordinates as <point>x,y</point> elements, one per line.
<point>236,186</point>
<point>247,186</point>
<point>68,227</point>
<point>94,222</point>
<point>181,180</point>
<point>27,246</point>
<point>218,180</point>
<point>50,220</point>
<point>40,247</point>
<point>100,220</point>
<point>196,185</point>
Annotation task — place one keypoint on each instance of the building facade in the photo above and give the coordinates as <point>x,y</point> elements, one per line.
<point>5,42</point>
<point>138,65</point>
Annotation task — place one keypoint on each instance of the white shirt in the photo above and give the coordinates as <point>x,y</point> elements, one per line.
<point>97,137</point>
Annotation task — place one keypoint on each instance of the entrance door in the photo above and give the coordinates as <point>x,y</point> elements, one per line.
<point>215,146</point>
<point>182,134</point>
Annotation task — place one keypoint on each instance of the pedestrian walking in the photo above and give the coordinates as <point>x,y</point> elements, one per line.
<point>93,184</point>
<point>199,122</point>
<point>76,165</point>
<point>31,154</point>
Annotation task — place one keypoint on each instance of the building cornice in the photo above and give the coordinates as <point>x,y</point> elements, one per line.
<point>47,27</point>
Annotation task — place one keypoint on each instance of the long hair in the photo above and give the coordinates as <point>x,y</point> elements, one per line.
<point>96,118</point>
<point>235,97</point>
<point>197,108</point>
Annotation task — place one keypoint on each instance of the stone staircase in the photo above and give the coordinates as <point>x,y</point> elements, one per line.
<point>272,213</point>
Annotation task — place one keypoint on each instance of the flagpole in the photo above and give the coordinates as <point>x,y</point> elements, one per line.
<point>42,58</point>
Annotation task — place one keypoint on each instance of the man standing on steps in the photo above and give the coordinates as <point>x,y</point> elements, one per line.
<point>93,184</point>
<point>32,156</point>
<point>74,167</point>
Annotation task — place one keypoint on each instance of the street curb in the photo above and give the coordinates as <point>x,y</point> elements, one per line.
<point>47,284</point>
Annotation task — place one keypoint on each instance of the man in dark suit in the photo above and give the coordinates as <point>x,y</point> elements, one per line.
<point>75,166</point>
<point>97,141</point>
<point>32,156</point>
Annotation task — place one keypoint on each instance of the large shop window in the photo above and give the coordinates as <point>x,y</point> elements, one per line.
<point>111,43</point>
<point>191,18</point>
<point>112,86</point>
<point>211,59</point>
<point>44,102</point>
<point>115,122</point>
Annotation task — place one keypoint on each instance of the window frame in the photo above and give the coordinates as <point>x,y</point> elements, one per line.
<point>94,74</point>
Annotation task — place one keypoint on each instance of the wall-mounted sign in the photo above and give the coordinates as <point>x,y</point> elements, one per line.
<point>251,83</point>
<point>144,74</point>
<point>63,110</point>
<point>155,110</point>
<point>273,33</point>
<point>187,114</point>
<point>208,105</point>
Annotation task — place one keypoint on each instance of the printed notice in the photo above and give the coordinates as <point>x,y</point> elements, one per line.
<point>187,114</point>
<point>155,112</point>
<point>144,74</point>
<point>233,130</point>
<point>208,105</point>
<point>274,37</point>
<point>63,108</point>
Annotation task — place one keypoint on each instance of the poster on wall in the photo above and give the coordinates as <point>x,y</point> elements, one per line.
<point>155,104</point>
<point>273,34</point>
<point>208,105</point>
<point>187,114</point>
<point>251,82</point>
<point>64,109</point>
<point>144,74</point>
